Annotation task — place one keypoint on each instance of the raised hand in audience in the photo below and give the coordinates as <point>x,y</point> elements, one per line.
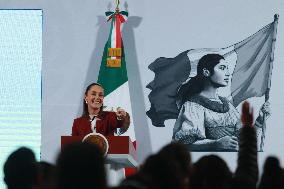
<point>247,114</point>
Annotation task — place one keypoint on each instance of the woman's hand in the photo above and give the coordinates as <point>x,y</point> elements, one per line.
<point>265,110</point>
<point>120,114</point>
<point>123,116</point>
<point>228,143</point>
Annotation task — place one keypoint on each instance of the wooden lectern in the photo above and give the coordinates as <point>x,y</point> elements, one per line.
<point>121,154</point>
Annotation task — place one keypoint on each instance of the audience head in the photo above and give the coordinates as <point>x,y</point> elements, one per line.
<point>136,181</point>
<point>162,172</point>
<point>177,152</point>
<point>46,175</point>
<point>210,172</point>
<point>167,169</point>
<point>81,165</point>
<point>272,177</point>
<point>271,165</point>
<point>20,170</point>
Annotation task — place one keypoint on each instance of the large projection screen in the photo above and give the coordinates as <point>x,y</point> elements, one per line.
<point>20,80</point>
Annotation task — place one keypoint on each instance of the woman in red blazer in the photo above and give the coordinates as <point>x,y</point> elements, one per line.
<point>94,119</point>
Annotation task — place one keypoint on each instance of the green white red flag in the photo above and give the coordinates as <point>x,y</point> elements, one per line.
<point>113,73</point>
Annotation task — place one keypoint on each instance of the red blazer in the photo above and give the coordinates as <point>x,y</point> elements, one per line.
<point>106,123</point>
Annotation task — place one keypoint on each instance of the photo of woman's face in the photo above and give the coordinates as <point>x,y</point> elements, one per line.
<point>221,74</point>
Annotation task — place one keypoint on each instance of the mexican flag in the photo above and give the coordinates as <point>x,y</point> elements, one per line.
<point>113,73</point>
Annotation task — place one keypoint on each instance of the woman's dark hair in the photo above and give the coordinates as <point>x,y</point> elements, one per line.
<point>196,84</point>
<point>85,106</point>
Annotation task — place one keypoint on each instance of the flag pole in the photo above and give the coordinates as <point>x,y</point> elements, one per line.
<point>275,23</point>
<point>117,2</point>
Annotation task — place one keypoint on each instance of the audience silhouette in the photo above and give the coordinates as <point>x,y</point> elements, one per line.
<point>82,165</point>
<point>273,175</point>
<point>20,169</point>
<point>46,175</point>
<point>211,172</point>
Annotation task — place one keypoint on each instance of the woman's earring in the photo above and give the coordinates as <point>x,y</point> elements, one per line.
<point>86,102</point>
<point>206,72</point>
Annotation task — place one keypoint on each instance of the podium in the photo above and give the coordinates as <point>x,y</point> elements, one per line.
<point>121,154</point>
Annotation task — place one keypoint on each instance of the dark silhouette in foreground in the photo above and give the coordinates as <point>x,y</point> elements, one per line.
<point>81,165</point>
<point>20,170</point>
